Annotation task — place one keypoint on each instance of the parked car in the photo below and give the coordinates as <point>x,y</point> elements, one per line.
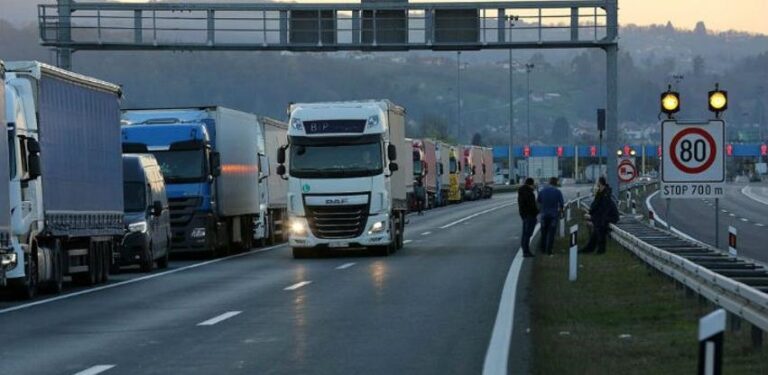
<point>147,217</point>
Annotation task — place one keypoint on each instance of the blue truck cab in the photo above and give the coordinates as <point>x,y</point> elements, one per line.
<point>185,152</point>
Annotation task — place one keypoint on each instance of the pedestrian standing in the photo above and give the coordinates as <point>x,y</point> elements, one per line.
<point>602,212</point>
<point>551,205</point>
<point>526,203</point>
<point>421,196</point>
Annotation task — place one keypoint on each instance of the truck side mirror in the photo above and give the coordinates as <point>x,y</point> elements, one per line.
<point>391,152</point>
<point>33,158</point>
<point>281,170</point>
<point>393,167</point>
<point>281,156</point>
<point>215,164</point>
<point>157,208</point>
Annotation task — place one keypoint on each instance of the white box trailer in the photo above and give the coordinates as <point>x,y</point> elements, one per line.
<point>275,136</point>
<point>443,174</point>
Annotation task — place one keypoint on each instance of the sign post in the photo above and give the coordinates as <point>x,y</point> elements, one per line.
<point>732,245</point>
<point>711,328</point>
<point>573,253</point>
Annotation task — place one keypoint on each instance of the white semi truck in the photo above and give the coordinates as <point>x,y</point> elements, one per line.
<point>66,176</point>
<point>345,187</point>
<point>7,254</point>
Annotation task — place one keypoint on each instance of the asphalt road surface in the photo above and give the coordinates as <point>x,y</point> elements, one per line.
<point>744,206</point>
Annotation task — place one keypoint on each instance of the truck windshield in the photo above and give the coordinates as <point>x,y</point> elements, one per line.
<point>182,166</point>
<point>352,160</point>
<point>452,167</point>
<point>134,196</point>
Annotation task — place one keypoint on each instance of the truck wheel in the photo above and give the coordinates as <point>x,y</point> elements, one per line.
<point>88,277</point>
<point>163,262</point>
<point>400,234</point>
<point>148,263</point>
<point>27,289</point>
<point>303,252</point>
<point>56,285</point>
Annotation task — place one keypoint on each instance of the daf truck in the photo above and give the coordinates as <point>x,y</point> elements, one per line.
<point>66,177</point>
<point>472,172</point>
<point>345,187</point>
<point>215,167</point>
<point>443,155</point>
<point>425,168</point>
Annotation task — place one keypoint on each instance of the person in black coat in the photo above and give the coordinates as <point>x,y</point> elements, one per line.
<point>602,213</point>
<point>526,203</point>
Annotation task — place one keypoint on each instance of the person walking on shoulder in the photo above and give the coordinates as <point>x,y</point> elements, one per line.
<point>602,212</point>
<point>526,203</point>
<point>551,204</point>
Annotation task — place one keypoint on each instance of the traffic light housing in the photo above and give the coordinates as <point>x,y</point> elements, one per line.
<point>670,102</point>
<point>527,151</point>
<point>718,100</point>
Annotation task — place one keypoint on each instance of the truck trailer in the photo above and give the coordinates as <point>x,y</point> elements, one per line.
<point>425,168</point>
<point>66,176</point>
<point>345,187</point>
<point>488,172</point>
<point>473,175</point>
<point>443,155</point>
<point>215,167</point>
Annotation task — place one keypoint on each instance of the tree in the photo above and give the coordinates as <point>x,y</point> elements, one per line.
<point>700,28</point>
<point>477,140</point>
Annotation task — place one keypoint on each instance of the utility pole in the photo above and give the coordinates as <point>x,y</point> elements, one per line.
<point>528,69</point>
<point>512,174</point>
<point>458,96</point>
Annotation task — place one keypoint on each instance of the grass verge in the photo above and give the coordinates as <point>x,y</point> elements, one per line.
<point>621,317</point>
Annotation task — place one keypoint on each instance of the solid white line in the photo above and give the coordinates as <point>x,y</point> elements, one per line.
<point>477,214</point>
<point>407,241</point>
<point>426,233</point>
<point>747,190</point>
<point>297,285</point>
<point>744,219</point>
<point>98,369</point>
<point>497,355</point>
<point>219,318</point>
<point>138,279</point>
<point>345,266</point>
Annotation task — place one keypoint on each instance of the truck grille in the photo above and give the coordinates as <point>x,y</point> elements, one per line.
<point>335,222</point>
<point>182,209</point>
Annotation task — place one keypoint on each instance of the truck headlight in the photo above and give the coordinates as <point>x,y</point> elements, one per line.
<point>298,227</point>
<point>138,227</point>
<point>198,233</point>
<point>377,227</point>
<point>8,260</point>
<point>372,122</point>
<point>297,124</point>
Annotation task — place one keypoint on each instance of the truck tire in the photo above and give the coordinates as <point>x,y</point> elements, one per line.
<point>303,252</point>
<point>400,233</point>
<point>56,284</point>
<point>163,262</point>
<point>148,263</point>
<point>89,277</point>
<point>27,287</point>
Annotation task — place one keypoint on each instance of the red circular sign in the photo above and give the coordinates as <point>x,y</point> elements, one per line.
<point>632,172</point>
<point>707,163</point>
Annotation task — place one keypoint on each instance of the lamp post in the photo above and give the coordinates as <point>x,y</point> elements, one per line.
<point>528,69</point>
<point>512,174</point>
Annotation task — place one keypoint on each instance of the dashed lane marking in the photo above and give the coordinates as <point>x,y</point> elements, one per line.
<point>476,215</point>
<point>426,233</point>
<point>297,285</point>
<point>98,369</point>
<point>219,318</point>
<point>345,266</point>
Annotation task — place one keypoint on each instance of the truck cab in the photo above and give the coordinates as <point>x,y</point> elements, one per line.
<point>184,151</point>
<point>345,189</point>
<point>8,256</point>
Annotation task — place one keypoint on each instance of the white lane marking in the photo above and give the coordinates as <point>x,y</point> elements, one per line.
<point>138,279</point>
<point>426,233</point>
<point>744,219</point>
<point>760,224</point>
<point>476,215</point>
<point>345,266</point>
<point>98,369</point>
<point>407,241</point>
<point>724,211</point>
<point>219,318</point>
<point>732,215</point>
<point>497,355</point>
<point>297,285</point>
<point>747,190</point>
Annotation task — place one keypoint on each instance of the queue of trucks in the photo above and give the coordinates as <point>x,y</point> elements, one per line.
<point>93,187</point>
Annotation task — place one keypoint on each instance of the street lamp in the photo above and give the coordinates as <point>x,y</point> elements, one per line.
<point>528,69</point>
<point>459,67</point>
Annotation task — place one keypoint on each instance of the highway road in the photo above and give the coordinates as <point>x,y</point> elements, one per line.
<point>744,207</point>
<point>428,309</point>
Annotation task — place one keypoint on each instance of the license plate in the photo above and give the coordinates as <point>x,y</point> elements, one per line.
<point>338,244</point>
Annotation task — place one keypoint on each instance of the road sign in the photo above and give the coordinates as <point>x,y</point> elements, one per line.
<point>693,161</point>
<point>732,244</point>
<point>627,171</point>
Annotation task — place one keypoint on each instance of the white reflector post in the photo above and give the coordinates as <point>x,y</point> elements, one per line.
<point>711,328</point>
<point>573,253</point>
<point>732,245</point>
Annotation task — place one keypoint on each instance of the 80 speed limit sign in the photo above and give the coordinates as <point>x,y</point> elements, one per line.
<point>693,159</point>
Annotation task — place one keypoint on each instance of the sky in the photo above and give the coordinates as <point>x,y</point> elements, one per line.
<point>718,15</point>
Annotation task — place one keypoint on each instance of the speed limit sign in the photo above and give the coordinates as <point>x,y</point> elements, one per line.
<point>693,159</point>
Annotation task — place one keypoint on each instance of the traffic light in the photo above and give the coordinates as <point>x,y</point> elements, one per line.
<point>729,149</point>
<point>718,100</point>
<point>763,149</point>
<point>670,102</point>
<point>593,151</point>
<point>627,150</point>
<point>658,150</point>
<point>527,151</point>
<point>559,151</point>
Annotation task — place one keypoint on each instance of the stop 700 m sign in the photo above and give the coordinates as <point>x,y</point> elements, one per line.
<point>693,161</point>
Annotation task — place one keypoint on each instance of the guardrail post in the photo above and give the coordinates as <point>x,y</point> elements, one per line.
<point>711,336</point>
<point>757,337</point>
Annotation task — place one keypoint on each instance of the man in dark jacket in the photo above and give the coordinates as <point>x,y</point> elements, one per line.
<point>551,203</point>
<point>526,203</point>
<point>602,213</point>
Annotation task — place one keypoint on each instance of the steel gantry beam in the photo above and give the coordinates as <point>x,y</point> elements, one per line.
<point>371,25</point>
